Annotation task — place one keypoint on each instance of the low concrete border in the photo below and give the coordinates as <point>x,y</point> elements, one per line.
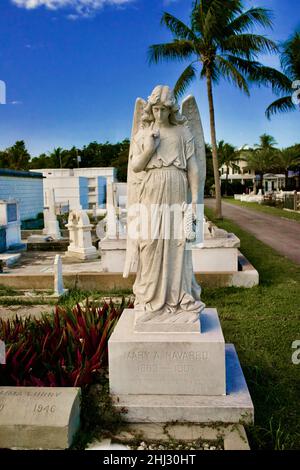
<point>234,437</point>
<point>248,277</point>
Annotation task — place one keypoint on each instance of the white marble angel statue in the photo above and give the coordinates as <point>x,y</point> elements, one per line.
<point>166,169</point>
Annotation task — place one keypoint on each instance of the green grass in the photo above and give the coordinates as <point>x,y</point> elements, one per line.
<point>7,291</point>
<point>10,297</point>
<point>265,209</point>
<point>263,322</point>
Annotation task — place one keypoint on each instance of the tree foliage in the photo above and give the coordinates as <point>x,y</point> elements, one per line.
<point>290,64</point>
<point>16,157</point>
<point>92,155</point>
<point>220,43</point>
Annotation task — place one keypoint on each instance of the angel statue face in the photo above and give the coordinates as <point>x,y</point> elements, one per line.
<point>161,108</point>
<point>161,114</point>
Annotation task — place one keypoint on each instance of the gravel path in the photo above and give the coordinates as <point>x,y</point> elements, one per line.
<point>281,234</point>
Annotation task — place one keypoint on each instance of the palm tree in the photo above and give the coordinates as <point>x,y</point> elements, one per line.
<point>290,64</point>
<point>266,142</point>
<point>228,156</point>
<point>219,40</point>
<point>263,158</point>
<point>288,158</point>
<point>56,155</point>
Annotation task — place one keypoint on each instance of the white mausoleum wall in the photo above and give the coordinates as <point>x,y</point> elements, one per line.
<point>71,189</point>
<point>27,191</point>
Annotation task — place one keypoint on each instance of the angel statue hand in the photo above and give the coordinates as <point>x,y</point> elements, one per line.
<point>151,141</point>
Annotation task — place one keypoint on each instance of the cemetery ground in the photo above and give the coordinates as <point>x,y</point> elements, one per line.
<point>262,322</point>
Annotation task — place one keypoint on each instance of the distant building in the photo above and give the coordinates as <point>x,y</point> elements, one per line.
<point>26,188</point>
<point>78,187</point>
<point>272,182</point>
<point>237,174</point>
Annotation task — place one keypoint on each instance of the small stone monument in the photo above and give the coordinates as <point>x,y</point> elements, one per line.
<point>113,245</point>
<point>2,352</point>
<point>10,221</point>
<point>79,227</point>
<point>168,360</point>
<point>39,417</point>
<point>59,289</point>
<point>50,220</point>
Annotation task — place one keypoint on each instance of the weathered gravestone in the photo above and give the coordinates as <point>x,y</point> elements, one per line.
<point>38,417</point>
<point>80,228</point>
<point>59,289</point>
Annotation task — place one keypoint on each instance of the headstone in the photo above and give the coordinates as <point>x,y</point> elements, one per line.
<point>50,220</point>
<point>59,289</point>
<point>39,417</point>
<point>2,352</point>
<point>80,236</point>
<point>11,223</point>
<point>111,214</point>
<point>113,245</point>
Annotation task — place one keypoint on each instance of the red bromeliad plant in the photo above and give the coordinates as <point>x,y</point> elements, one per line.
<point>66,348</point>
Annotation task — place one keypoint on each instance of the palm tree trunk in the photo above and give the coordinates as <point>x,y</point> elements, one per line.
<point>214,147</point>
<point>226,185</point>
<point>286,179</point>
<point>261,181</point>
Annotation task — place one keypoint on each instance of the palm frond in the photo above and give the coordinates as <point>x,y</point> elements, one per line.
<point>232,74</point>
<point>249,19</point>
<point>290,57</point>
<point>282,105</point>
<point>177,27</point>
<point>217,17</point>
<point>198,18</point>
<point>179,50</point>
<point>261,75</point>
<point>248,45</point>
<point>184,81</point>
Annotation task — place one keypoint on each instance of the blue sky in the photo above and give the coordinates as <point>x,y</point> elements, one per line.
<point>74,70</point>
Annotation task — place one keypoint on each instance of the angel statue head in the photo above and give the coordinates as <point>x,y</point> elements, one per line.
<point>162,108</point>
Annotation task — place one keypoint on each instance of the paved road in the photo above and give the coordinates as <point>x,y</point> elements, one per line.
<point>281,234</point>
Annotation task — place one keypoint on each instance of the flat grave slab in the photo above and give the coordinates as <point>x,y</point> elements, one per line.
<point>38,417</point>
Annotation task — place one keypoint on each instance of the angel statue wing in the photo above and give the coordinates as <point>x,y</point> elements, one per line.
<point>191,112</point>
<point>133,184</point>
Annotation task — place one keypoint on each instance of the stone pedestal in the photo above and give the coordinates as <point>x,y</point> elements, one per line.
<point>113,252</point>
<point>10,221</point>
<point>50,220</point>
<point>184,376</point>
<point>51,226</point>
<point>218,254</point>
<point>214,255</point>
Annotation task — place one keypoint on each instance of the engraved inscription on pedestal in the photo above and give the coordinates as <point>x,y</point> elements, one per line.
<point>167,363</point>
<point>38,417</point>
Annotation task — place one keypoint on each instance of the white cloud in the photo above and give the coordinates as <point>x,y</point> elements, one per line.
<point>81,7</point>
